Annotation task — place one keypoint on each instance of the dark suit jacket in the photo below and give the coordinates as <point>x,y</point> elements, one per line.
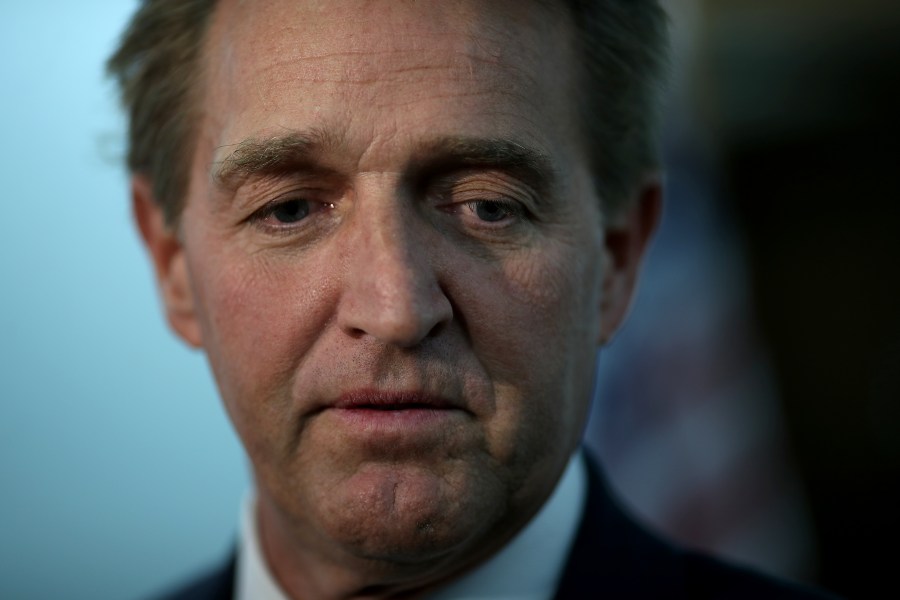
<point>612,557</point>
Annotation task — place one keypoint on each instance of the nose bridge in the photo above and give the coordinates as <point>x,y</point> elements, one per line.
<point>391,290</point>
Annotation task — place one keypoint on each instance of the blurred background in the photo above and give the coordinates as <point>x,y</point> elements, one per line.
<point>750,405</point>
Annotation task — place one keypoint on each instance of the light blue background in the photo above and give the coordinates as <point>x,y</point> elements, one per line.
<point>118,469</point>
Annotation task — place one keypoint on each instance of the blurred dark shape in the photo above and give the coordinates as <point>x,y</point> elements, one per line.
<point>776,279</point>
<point>687,420</point>
<point>806,110</point>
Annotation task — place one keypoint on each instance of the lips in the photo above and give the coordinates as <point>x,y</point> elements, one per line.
<point>380,400</point>
<point>393,423</point>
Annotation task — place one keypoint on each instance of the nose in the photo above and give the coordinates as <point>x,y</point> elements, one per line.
<point>391,289</point>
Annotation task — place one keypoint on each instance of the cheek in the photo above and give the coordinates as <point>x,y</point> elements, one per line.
<point>534,332</point>
<point>258,318</point>
<point>550,299</point>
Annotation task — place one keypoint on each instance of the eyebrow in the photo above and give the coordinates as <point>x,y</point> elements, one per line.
<point>451,153</point>
<point>272,155</point>
<point>302,150</point>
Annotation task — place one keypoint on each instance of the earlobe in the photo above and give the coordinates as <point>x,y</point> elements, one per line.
<point>169,262</point>
<point>626,238</point>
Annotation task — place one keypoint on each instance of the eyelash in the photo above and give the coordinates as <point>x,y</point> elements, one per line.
<point>512,210</point>
<point>261,216</point>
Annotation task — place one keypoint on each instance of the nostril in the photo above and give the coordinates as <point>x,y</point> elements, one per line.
<point>404,317</point>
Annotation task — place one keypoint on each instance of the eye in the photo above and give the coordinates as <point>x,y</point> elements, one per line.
<point>484,200</point>
<point>290,211</point>
<point>286,215</point>
<point>493,211</point>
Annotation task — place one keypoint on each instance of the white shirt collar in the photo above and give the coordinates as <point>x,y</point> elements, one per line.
<point>527,568</point>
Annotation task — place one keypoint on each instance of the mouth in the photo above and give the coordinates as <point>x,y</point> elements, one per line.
<point>394,417</point>
<point>392,407</point>
<point>378,400</point>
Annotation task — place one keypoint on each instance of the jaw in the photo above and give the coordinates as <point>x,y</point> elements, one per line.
<point>395,526</point>
<point>415,543</point>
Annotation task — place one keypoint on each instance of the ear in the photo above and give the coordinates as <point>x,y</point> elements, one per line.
<point>627,235</point>
<point>169,261</point>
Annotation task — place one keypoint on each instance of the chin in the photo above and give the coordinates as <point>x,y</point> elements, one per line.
<point>409,515</point>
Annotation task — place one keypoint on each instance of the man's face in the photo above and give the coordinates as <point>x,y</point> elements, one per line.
<point>393,256</point>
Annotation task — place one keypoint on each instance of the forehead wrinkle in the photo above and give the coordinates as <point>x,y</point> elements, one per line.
<point>478,45</point>
<point>479,49</point>
<point>387,68</point>
<point>462,28</point>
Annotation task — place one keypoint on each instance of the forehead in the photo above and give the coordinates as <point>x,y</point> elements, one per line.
<point>389,70</point>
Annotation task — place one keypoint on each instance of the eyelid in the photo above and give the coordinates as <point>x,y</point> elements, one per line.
<point>463,192</point>
<point>260,216</point>
<point>466,215</point>
<point>494,185</point>
<point>453,199</point>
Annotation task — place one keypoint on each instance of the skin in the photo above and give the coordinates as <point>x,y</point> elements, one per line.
<point>390,202</point>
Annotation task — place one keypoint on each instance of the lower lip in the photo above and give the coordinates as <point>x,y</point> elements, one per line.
<point>393,435</point>
<point>404,421</point>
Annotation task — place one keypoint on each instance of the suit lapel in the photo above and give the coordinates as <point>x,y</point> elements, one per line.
<point>613,554</point>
